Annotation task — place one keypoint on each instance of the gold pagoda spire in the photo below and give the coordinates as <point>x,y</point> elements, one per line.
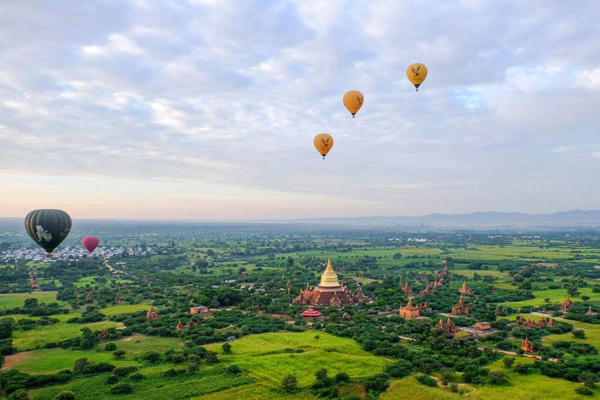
<point>329,277</point>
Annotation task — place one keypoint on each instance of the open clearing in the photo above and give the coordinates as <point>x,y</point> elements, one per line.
<point>12,300</point>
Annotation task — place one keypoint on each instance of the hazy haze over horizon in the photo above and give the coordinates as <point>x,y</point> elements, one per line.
<point>207,109</point>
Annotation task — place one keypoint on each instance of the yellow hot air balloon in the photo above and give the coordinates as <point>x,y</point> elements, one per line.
<point>323,143</point>
<point>353,100</point>
<point>416,73</point>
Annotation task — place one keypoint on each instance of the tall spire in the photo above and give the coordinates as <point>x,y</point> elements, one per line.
<point>329,277</point>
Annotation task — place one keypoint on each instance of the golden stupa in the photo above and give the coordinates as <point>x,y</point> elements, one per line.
<point>329,292</point>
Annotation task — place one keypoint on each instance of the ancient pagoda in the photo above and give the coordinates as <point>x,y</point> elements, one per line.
<point>448,327</point>
<point>566,304</point>
<point>464,289</point>
<point>527,346</point>
<point>151,314</point>
<point>461,308</point>
<point>329,292</point>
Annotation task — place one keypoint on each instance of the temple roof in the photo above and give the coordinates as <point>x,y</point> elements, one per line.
<point>329,277</point>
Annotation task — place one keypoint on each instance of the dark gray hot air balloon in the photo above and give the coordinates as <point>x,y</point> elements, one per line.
<point>48,228</point>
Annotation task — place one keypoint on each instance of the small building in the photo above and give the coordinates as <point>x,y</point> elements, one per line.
<point>448,327</point>
<point>231,338</point>
<point>590,312</point>
<point>199,310</point>
<point>483,326</point>
<point>34,284</point>
<point>179,325</point>
<point>409,311</point>
<point>311,313</point>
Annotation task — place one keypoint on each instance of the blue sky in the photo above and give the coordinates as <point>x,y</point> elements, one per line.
<point>207,109</point>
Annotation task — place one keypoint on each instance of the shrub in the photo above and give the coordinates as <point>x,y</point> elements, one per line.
<point>124,371</point>
<point>522,369</point>
<point>79,365</point>
<point>234,369</point>
<point>136,377</point>
<point>193,367</point>
<point>150,357</point>
<point>498,378</point>
<point>342,377</point>
<point>584,391</point>
<point>508,362</point>
<point>400,369</point>
<point>112,379</point>
<point>579,333</point>
<point>427,381</point>
<point>177,358</point>
<point>121,388</point>
<point>119,354</point>
<point>170,373</point>
<point>226,348</point>
<point>321,374</point>
<point>20,394</point>
<point>378,384</point>
<point>66,395</point>
<point>110,347</point>
<point>289,384</point>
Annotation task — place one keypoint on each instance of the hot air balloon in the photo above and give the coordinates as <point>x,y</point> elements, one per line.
<point>416,73</point>
<point>48,228</point>
<point>353,100</point>
<point>323,143</point>
<point>90,243</point>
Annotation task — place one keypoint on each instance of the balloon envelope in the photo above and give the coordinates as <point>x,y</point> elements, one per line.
<point>353,100</point>
<point>48,228</point>
<point>90,243</point>
<point>323,143</point>
<point>416,73</point>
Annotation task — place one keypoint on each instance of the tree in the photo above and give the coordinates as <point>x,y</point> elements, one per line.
<point>112,379</point>
<point>289,384</point>
<point>427,381</point>
<point>88,339</point>
<point>193,367</point>
<point>508,362</point>
<point>498,378</point>
<point>579,333</point>
<point>589,380</point>
<point>66,395</point>
<point>585,298</point>
<point>226,348</point>
<point>290,262</point>
<point>321,374</point>
<point>397,256</point>
<point>119,354</point>
<point>110,347</point>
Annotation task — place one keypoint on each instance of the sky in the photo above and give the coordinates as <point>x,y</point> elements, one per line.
<point>207,110</point>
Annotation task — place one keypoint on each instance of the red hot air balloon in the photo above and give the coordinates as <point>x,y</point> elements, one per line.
<point>90,243</point>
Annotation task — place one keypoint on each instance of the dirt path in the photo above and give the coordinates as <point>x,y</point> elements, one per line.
<point>15,359</point>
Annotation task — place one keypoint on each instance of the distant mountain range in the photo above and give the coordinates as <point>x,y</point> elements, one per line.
<point>490,218</point>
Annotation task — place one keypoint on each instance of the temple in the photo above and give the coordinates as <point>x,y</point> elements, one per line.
<point>590,312</point>
<point>566,304</point>
<point>151,314</point>
<point>527,346</point>
<point>33,283</point>
<point>464,289</point>
<point>329,292</point>
<point>461,308</point>
<point>407,289</point>
<point>448,327</point>
<point>409,311</point>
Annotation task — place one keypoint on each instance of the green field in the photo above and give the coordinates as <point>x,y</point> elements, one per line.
<point>37,338</point>
<point>154,386</point>
<point>255,391</point>
<point>555,295</point>
<point>47,361</point>
<point>138,344</point>
<point>263,356</point>
<point>521,387</point>
<point>12,300</point>
<point>124,309</point>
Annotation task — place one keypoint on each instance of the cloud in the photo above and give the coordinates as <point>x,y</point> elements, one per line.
<point>233,92</point>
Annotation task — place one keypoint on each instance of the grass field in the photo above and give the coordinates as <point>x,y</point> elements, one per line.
<point>153,387</point>
<point>555,295</point>
<point>37,338</point>
<point>47,361</point>
<point>124,309</point>
<point>521,387</point>
<point>138,344</point>
<point>12,300</point>
<point>255,391</point>
<point>263,356</point>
